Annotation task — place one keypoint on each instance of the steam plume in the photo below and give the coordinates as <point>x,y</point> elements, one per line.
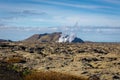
<point>69,34</point>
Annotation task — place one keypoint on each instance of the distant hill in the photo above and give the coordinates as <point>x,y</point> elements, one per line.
<point>48,37</point>
<point>3,40</point>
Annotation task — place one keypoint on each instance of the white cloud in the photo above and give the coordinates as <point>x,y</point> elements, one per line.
<point>75,5</point>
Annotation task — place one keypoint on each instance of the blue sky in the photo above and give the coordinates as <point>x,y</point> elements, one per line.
<point>97,20</point>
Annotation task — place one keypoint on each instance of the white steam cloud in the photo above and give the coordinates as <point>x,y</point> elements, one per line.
<point>69,35</point>
<point>66,38</point>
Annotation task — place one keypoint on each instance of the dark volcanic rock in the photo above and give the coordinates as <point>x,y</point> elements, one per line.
<point>116,77</point>
<point>94,77</point>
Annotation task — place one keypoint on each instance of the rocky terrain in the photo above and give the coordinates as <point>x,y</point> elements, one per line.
<point>90,60</point>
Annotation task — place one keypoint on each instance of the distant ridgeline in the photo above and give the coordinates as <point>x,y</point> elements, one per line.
<point>53,37</point>
<point>3,40</point>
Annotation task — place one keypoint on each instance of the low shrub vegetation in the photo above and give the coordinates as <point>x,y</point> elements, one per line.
<point>49,75</point>
<point>15,60</point>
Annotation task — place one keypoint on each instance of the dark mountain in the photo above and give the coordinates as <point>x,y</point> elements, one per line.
<point>3,40</point>
<point>48,37</point>
<point>78,40</point>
